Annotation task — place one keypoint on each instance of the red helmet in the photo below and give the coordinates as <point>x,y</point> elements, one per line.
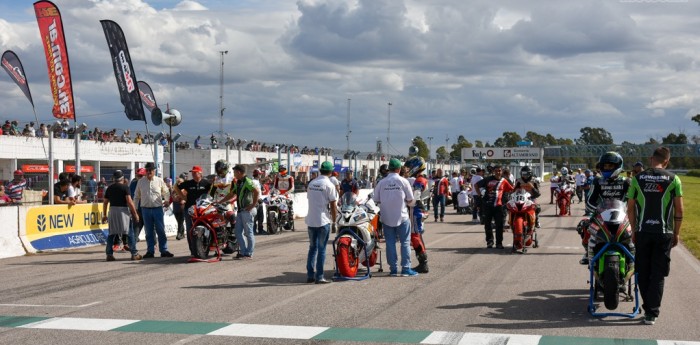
<point>256,173</point>
<point>18,172</point>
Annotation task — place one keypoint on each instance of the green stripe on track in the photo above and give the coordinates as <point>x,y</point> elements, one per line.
<point>17,321</point>
<point>550,340</point>
<point>178,327</point>
<point>373,335</point>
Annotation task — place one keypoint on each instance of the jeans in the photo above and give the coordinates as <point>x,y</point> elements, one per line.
<point>244,231</point>
<point>318,238</point>
<point>439,201</point>
<point>132,242</point>
<point>153,223</point>
<point>402,232</point>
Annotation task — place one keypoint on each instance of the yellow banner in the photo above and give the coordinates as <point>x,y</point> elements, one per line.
<point>46,221</point>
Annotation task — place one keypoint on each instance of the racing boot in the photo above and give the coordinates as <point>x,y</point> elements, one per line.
<point>422,263</point>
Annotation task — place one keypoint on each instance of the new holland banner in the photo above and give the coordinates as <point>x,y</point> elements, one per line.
<point>123,71</point>
<point>147,97</point>
<point>11,64</point>
<point>52,38</point>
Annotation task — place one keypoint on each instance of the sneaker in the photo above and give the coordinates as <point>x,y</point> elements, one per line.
<point>166,254</point>
<point>499,246</point>
<point>408,273</point>
<point>584,260</point>
<point>148,255</point>
<point>126,248</point>
<point>649,320</point>
<point>393,273</point>
<point>238,256</point>
<point>111,258</point>
<point>489,245</point>
<point>136,257</point>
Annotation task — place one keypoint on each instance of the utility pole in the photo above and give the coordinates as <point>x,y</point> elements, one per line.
<point>221,97</point>
<point>430,149</point>
<point>388,128</point>
<point>347,134</point>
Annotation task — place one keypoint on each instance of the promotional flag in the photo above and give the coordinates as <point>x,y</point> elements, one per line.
<point>147,97</point>
<point>123,71</point>
<point>11,64</point>
<point>52,38</point>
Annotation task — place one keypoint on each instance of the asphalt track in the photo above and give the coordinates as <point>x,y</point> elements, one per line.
<point>472,295</point>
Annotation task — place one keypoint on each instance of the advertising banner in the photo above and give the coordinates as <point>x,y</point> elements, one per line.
<point>51,29</point>
<point>59,226</point>
<point>11,64</point>
<point>147,97</point>
<point>508,153</point>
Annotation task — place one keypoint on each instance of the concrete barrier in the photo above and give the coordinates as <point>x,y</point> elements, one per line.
<point>10,245</point>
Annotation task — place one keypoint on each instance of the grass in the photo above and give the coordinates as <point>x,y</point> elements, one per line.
<point>690,230</point>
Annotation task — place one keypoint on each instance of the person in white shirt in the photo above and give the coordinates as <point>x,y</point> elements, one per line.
<point>554,185</point>
<point>455,187</point>
<point>393,194</point>
<point>477,175</point>
<point>323,200</point>
<point>580,181</point>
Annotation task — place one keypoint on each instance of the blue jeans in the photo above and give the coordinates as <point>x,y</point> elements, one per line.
<point>244,231</point>
<point>132,242</point>
<point>318,238</point>
<point>154,223</point>
<point>403,233</point>
<point>439,201</point>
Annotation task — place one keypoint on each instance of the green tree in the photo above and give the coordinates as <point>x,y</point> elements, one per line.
<point>696,118</point>
<point>509,139</point>
<point>442,154</point>
<point>456,153</point>
<point>423,150</point>
<point>594,136</point>
<point>478,143</point>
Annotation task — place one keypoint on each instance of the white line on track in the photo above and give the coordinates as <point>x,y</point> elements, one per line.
<point>51,305</point>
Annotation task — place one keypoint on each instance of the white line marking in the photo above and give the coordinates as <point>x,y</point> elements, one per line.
<point>51,305</point>
<point>440,337</point>
<point>80,324</point>
<point>269,331</point>
<point>676,342</point>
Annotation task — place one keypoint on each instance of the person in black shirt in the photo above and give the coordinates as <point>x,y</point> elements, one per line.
<point>60,193</point>
<point>193,189</point>
<point>117,194</point>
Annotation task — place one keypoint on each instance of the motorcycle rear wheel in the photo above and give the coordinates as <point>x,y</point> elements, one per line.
<point>200,243</point>
<point>611,290</point>
<point>346,260</point>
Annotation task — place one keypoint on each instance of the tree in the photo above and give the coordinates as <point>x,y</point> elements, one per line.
<point>672,138</point>
<point>509,139</point>
<point>423,149</point>
<point>441,154</point>
<point>478,143</point>
<point>594,136</point>
<point>456,153</point>
<point>696,118</point>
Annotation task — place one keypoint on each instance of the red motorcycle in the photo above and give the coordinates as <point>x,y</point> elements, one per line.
<point>563,195</point>
<point>522,220</point>
<point>210,230</point>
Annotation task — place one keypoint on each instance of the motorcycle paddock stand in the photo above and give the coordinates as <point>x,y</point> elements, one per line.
<point>628,297</point>
<point>217,258</point>
<point>336,275</point>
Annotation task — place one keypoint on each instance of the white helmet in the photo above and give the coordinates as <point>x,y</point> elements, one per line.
<point>564,171</point>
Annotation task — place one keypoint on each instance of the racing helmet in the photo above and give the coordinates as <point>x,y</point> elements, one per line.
<point>526,173</point>
<point>221,167</point>
<point>384,169</point>
<point>415,166</point>
<point>413,151</point>
<point>613,158</point>
<point>283,170</point>
<point>564,171</point>
<point>472,171</point>
<point>256,173</point>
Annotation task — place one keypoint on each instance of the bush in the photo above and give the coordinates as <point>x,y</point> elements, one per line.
<point>694,172</point>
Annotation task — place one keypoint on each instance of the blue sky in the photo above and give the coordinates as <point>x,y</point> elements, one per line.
<point>449,67</point>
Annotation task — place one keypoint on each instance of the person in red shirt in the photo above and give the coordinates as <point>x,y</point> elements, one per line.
<point>496,186</point>
<point>441,188</point>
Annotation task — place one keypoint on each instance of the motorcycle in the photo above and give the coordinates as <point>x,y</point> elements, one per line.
<point>357,240</point>
<point>522,220</point>
<point>210,230</point>
<point>612,263</point>
<point>563,195</point>
<point>280,213</point>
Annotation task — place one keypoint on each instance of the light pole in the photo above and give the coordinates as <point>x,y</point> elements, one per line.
<point>347,135</point>
<point>388,127</point>
<point>173,140</point>
<point>221,96</point>
<point>430,149</point>
<point>447,148</point>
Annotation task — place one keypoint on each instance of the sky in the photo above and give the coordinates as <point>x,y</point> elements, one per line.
<point>297,72</point>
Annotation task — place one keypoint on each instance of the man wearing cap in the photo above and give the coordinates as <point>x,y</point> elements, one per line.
<point>190,191</point>
<point>152,195</point>
<point>393,193</point>
<point>247,196</point>
<point>323,208</point>
<point>637,168</point>
<point>117,196</point>
<point>16,187</point>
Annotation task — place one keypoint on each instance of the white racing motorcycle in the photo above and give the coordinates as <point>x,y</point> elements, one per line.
<point>356,241</point>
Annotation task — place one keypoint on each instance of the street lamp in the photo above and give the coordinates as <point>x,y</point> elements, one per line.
<point>388,128</point>
<point>172,153</point>
<point>156,139</point>
<point>430,148</point>
<point>221,96</point>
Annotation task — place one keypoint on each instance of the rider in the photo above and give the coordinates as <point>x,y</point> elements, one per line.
<point>530,183</point>
<point>284,182</point>
<point>414,167</point>
<point>348,184</point>
<point>611,185</point>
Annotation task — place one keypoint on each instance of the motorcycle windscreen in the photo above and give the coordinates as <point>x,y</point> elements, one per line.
<point>612,210</point>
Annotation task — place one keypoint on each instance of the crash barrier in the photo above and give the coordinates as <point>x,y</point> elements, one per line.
<point>32,229</point>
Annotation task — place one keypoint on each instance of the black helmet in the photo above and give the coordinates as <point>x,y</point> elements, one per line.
<point>383,169</point>
<point>221,167</point>
<point>526,173</point>
<point>611,157</point>
<point>412,151</point>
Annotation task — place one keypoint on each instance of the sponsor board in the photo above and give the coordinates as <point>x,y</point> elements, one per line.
<point>490,153</point>
<point>60,226</point>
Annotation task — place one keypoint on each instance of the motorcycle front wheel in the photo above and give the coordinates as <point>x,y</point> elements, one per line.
<point>346,259</point>
<point>200,242</point>
<point>611,290</point>
<point>272,223</point>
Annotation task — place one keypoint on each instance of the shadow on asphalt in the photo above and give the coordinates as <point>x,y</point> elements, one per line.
<point>544,309</point>
<point>285,279</point>
<point>493,251</point>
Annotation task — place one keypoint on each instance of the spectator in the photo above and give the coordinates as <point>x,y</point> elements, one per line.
<point>121,206</point>
<point>43,131</point>
<point>456,183</point>
<point>17,186</point>
<point>101,186</point>
<point>4,198</point>
<point>322,198</point>
<point>74,190</point>
<point>179,211</point>
<point>197,144</point>
<point>60,193</point>
<point>91,193</point>
<point>655,210</point>
<point>138,139</point>
<point>137,225</point>
<point>441,188</point>
<point>247,201</point>
<point>393,193</point>
<point>152,195</point>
